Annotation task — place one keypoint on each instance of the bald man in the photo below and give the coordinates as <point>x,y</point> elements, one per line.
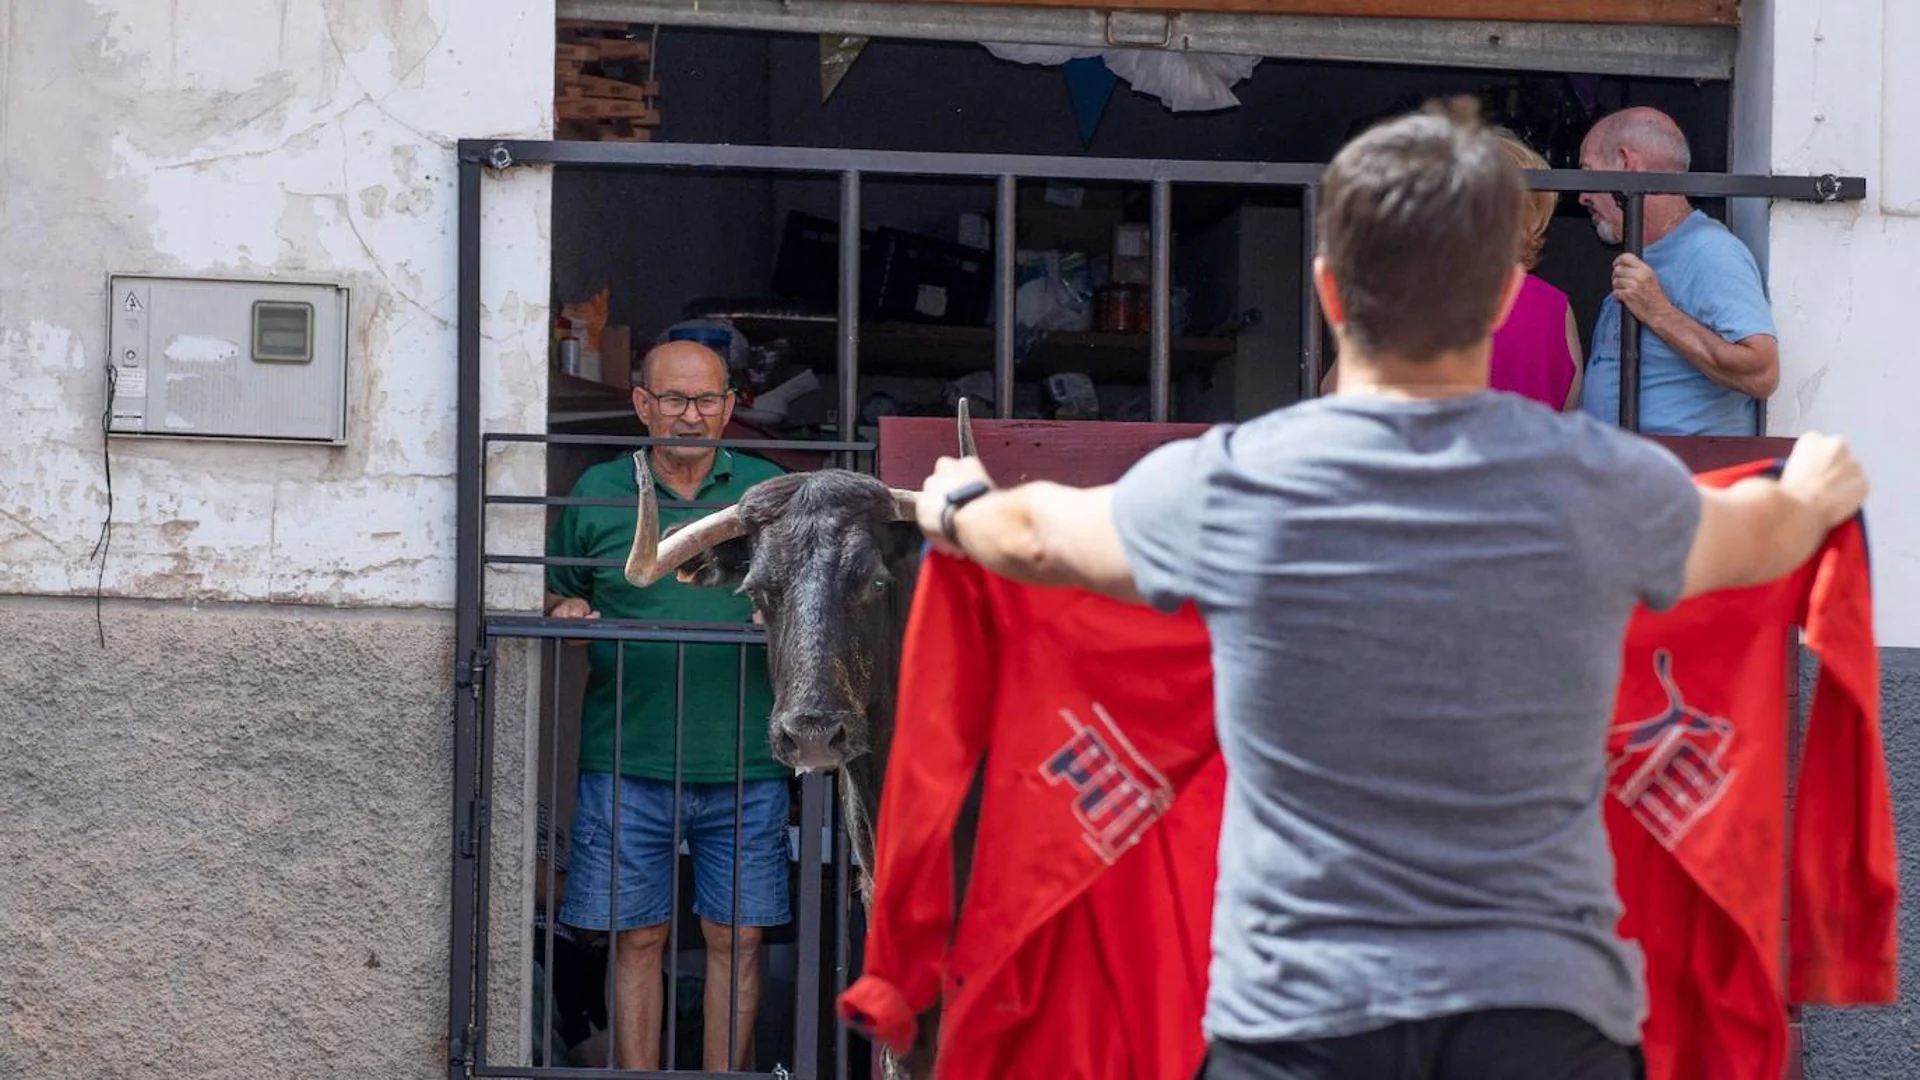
<point>1709,353</point>
<point>680,390</point>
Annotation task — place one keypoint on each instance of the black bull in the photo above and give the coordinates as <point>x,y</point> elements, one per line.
<point>829,559</point>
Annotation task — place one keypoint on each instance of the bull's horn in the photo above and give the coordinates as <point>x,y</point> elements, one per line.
<point>650,558</point>
<point>966,432</point>
<point>905,504</point>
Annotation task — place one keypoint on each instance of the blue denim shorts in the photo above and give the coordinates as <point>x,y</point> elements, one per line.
<point>647,852</point>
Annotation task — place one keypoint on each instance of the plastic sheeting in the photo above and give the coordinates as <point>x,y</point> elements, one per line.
<point>1183,81</point>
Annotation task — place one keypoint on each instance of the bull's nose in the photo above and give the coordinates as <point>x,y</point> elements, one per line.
<point>811,742</point>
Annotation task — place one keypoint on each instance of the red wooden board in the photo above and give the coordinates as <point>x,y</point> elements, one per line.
<point>1088,453</point>
<point>1081,453</point>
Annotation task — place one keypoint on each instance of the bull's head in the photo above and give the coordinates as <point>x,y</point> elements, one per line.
<point>828,559</point>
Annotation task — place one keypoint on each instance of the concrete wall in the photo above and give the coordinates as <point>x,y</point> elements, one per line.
<point>226,801</point>
<point>271,137</point>
<point>226,842</point>
<point>1843,275</point>
<point>1820,90</point>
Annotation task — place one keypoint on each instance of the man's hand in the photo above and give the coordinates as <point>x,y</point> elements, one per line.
<point>572,608</point>
<point>948,474</point>
<point>1637,287</point>
<point>1760,529</point>
<point>569,607</point>
<point>1825,476</point>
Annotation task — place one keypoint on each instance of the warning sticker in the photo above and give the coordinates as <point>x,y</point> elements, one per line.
<point>129,387</point>
<point>131,302</point>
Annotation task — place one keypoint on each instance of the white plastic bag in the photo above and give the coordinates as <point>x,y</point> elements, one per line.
<point>1183,81</point>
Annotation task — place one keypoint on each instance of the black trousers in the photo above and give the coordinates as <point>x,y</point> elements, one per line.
<point>1495,1044</point>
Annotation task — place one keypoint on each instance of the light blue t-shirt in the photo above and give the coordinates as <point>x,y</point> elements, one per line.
<point>1712,277</point>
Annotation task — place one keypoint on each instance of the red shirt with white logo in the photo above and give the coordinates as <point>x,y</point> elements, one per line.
<point>1082,951</point>
<point>1698,788</point>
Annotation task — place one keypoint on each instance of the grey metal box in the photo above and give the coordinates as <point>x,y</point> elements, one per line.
<point>228,358</point>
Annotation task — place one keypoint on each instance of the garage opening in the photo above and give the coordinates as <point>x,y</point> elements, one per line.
<point>748,262</point>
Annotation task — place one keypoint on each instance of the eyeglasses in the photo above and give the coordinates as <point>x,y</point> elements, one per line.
<point>676,404</point>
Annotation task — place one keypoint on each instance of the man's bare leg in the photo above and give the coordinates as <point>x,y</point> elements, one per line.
<point>637,975</point>
<point>720,938</point>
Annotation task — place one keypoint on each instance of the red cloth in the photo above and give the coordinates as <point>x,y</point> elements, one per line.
<point>1697,763</point>
<point>1078,955</point>
<point>1082,950</point>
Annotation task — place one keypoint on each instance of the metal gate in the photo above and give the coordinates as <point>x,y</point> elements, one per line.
<point>821,1048</point>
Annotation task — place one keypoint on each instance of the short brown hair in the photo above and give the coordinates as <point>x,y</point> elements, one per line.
<point>1538,212</point>
<point>1420,223</point>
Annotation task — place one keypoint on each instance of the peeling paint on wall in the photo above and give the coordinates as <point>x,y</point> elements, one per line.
<point>309,138</point>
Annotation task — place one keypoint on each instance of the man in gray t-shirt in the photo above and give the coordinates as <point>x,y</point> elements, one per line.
<point>1417,592</point>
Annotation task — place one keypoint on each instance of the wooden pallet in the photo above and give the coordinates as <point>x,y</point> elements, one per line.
<point>600,92</point>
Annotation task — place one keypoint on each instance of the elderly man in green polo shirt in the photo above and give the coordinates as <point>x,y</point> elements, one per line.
<point>680,390</point>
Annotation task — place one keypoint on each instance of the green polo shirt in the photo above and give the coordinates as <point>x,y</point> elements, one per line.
<point>712,720</point>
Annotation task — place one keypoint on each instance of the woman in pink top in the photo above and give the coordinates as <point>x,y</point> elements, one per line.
<point>1536,352</point>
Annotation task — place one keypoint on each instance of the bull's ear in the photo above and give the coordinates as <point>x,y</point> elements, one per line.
<point>722,565</point>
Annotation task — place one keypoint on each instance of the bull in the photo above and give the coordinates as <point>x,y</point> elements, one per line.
<point>829,559</point>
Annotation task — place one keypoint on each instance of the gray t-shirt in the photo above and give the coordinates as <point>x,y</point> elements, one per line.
<point>1417,611</point>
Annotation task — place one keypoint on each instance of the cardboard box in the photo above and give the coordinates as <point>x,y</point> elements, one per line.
<point>1132,254</point>
<point>616,356</point>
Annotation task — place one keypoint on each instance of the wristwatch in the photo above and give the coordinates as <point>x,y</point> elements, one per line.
<point>956,499</point>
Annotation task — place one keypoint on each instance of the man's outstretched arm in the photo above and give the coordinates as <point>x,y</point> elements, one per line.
<point>1039,533</point>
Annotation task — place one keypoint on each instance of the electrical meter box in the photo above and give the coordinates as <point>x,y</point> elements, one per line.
<point>216,358</point>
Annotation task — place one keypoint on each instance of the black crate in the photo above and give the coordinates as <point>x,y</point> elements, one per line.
<point>808,266</point>
<point>904,276</point>
<point>924,279</point>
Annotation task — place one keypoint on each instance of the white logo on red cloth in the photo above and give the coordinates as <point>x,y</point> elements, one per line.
<point>1671,770</point>
<point>1117,791</point>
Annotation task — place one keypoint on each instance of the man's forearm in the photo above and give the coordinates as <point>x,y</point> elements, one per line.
<point>1734,365</point>
<point>1001,531</point>
<point>1781,532</point>
<point>1048,534</point>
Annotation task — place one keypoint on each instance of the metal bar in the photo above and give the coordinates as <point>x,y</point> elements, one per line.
<point>1634,229</point>
<point>842,904</point>
<point>1310,370</point>
<point>549,560</point>
<point>613,857</point>
<point>806,1008</point>
<point>673,858</point>
<point>1691,52</point>
<point>1811,188</point>
<point>1160,332</point>
<point>1006,191</point>
<point>567,1072</point>
<point>739,811</point>
<point>553,847</point>
<point>468,601</point>
<point>629,629</point>
<point>588,500</point>
<point>848,369</point>
<point>821,445</point>
<point>483,862</point>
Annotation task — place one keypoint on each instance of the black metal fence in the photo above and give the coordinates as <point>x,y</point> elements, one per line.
<point>478,631</point>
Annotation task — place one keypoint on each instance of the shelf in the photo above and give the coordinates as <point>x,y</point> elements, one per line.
<point>948,352</point>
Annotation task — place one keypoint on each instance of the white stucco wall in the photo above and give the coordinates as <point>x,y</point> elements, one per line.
<point>260,138</point>
<point>1846,100</point>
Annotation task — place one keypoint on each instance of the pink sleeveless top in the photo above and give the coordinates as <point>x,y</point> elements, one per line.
<point>1530,355</point>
